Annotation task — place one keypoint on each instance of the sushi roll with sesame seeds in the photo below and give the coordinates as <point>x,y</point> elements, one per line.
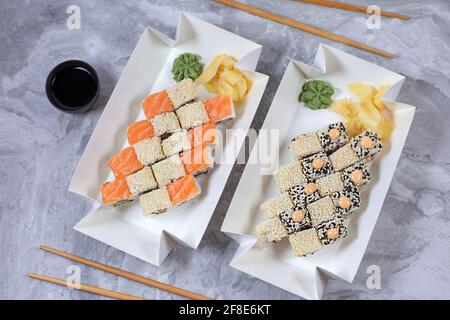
<point>316,166</point>
<point>176,143</point>
<point>332,136</point>
<point>305,145</point>
<point>165,124</point>
<point>330,184</point>
<point>357,174</point>
<point>303,194</point>
<point>149,151</point>
<point>277,205</point>
<point>305,242</point>
<point>182,93</point>
<point>270,231</point>
<point>343,157</point>
<point>366,145</point>
<point>192,114</point>
<point>205,134</point>
<point>155,202</point>
<point>321,210</point>
<point>332,230</point>
<point>141,181</point>
<point>347,200</point>
<point>289,175</point>
<point>168,170</point>
<point>296,220</point>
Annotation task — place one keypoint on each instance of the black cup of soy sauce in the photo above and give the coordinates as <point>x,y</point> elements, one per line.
<point>72,86</point>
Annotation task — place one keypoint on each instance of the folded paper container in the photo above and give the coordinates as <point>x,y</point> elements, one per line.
<point>307,276</point>
<point>149,70</point>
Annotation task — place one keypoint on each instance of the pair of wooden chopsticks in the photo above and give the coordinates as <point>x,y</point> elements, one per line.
<point>314,30</point>
<point>117,272</point>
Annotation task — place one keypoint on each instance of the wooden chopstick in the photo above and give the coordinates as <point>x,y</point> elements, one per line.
<point>87,288</point>
<point>304,27</point>
<point>352,7</point>
<point>127,275</point>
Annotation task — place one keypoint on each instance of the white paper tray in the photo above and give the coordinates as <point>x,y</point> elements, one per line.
<point>277,264</point>
<point>148,70</point>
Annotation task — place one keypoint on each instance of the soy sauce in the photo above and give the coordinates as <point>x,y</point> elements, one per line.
<point>72,86</point>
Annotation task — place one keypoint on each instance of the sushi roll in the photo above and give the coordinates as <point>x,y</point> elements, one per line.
<point>305,145</point>
<point>366,145</point>
<point>316,166</point>
<point>198,160</point>
<point>270,231</point>
<point>192,115</point>
<point>330,184</point>
<point>357,174</point>
<point>289,175</point>
<point>220,108</point>
<point>183,189</point>
<point>149,151</point>
<point>176,143</point>
<point>157,104</point>
<point>321,210</point>
<point>125,162</point>
<point>305,242</point>
<point>168,170</point>
<point>343,157</point>
<point>277,205</point>
<point>205,134</point>
<point>155,202</point>
<point>303,194</point>
<point>140,130</point>
<point>347,200</point>
<point>116,192</point>
<point>332,136</point>
<point>165,124</point>
<point>295,221</point>
<point>332,230</point>
<point>141,181</point>
<point>182,92</point>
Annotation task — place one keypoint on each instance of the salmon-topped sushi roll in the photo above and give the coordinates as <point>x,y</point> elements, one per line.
<point>183,189</point>
<point>157,104</point>
<point>140,130</point>
<point>116,192</point>
<point>203,135</point>
<point>220,108</point>
<point>198,160</point>
<point>125,163</point>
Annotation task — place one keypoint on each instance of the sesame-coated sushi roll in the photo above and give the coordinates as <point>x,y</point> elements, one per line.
<point>332,136</point>
<point>116,192</point>
<point>176,143</point>
<point>289,175</point>
<point>198,161</point>
<point>321,210</point>
<point>125,162</point>
<point>192,115</point>
<point>347,200</point>
<point>332,230</point>
<point>357,174</point>
<point>140,130</point>
<point>183,189</point>
<point>277,205</point>
<point>168,170</point>
<point>157,104</point>
<point>149,151</point>
<point>141,181</point>
<point>330,184</point>
<point>220,108</point>
<point>305,242</point>
<point>295,221</point>
<point>270,231</point>
<point>182,92</point>
<point>305,145</point>
<point>343,157</point>
<point>316,166</point>
<point>366,145</point>
<point>155,202</point>
<point>303,194</point>
<point>203,135</point>
<point>165,124</point>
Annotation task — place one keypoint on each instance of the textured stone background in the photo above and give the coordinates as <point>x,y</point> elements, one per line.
<point>40,147</point>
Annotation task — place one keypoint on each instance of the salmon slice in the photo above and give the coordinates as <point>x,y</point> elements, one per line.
<point>183,190</point>
<point>197,160</point>
<point>156,104</point>
<point>140,130</point>
<point>115,191</point>
<point>203,135</point>
<point>125,162</point>
<point>220,108</point>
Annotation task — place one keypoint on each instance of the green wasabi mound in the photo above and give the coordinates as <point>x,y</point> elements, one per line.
<point>187,65</point>
<point>316,94</point>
